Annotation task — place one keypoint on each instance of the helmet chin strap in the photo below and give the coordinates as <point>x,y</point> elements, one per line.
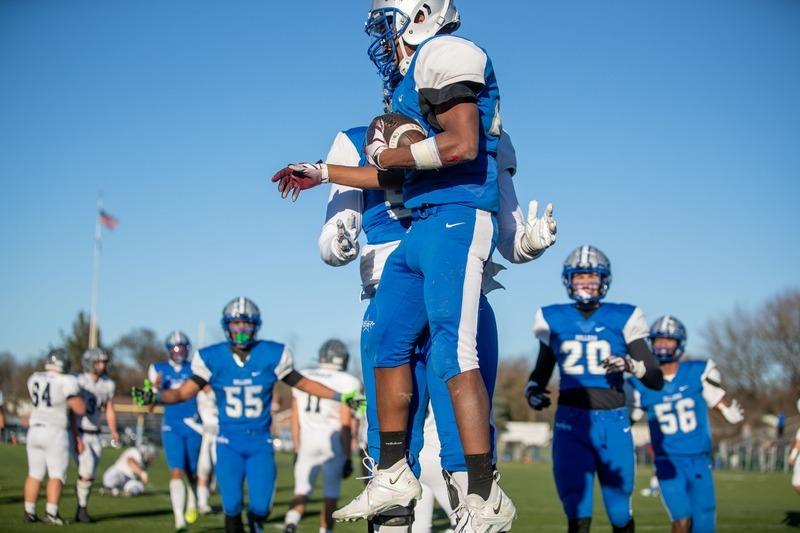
<point>405,61</point>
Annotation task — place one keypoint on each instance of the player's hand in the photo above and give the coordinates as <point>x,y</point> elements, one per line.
<point>355,400</point>
<point>297,177</point>
<point>79,445</point>
<point>115,439</point>
<point>345,245</point>
<point>144,396</point>
<point>347,468</point>
<point>540,233</point>
<point>616,363</point>
<point>145,477</point>
<point>733,413</point>
<point>376,145</point>
<point>537,396</point>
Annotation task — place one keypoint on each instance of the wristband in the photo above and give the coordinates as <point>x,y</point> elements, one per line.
<point>337,397</point>
<point>426,154</point>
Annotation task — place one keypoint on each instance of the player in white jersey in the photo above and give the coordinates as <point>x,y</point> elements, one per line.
<point>97,391</point>
<point>53,393</point>
<point>2,415</point>
<point>128,475</point>
<point>322,433</point>
<point>209,429</point>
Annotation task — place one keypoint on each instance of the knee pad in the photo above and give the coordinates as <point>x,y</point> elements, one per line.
<point>579,525</point>
<point>395,520</point>
<point>630,527</point>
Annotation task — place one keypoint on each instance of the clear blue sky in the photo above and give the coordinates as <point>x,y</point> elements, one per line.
<point>666,133</point>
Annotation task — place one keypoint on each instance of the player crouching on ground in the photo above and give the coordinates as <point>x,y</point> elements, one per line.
<point>680,430</point>
<point>97,391</point>
<point>243,372</point>
<point>323,436</point>
<point>53,392</point>
<point>128,475</point>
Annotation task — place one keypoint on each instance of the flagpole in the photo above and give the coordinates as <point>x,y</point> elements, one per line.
<point>95,274</point>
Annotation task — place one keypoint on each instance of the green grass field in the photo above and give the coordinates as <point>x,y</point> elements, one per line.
<point>746,502</point>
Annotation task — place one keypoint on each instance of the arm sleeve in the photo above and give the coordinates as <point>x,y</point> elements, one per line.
<point>285,365</point>
<point>545,364</point>
<point>344,203</point>
<point>636,327</point>
<point>199,368</point>
<point>151,373</point>
<point>653,378</point>
<point>712,387</point>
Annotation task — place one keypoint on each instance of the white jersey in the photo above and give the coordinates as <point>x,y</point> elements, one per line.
<point>96,395</point>
<point>1,398</point>
<point>346,207</point>
<point>207,408</point>
<point>49,392</point>
<point>121,465</point>
<point>319,418</point>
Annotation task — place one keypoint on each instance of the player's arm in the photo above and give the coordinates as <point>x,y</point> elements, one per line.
<point>639,361</point>
<point>338,240</point>
<point>346,439</point>
<point>285,372</point>
<point>652,377</point>
<point>536,389</point>
<point>111,419</point>
<point>2,418</point>
<point>140,472</point>
<point>714,395</point>
<point>295,422</point>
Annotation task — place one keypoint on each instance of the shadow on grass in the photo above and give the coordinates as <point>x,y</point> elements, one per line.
<point>132,514</point>
<point>792,519</point>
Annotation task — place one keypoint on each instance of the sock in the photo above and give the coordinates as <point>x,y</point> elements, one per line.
<point>393,447</point>
<point>202,495</point>
<point>630,527</point>
<point>579,525</point>
<point>480,474</point>
<point>82,489</point>
<point>52,509</point>
<point>325,530</point>
<point>233,524</point>
<point>30,507</point>
<point>654,483</point>
<point>191,502</point>
<point>177,495</point>
<point>292,517</point>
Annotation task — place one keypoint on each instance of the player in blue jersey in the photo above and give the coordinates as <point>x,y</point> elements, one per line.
<point>447,84</point>
<point>384,220</point>
<point>181,443</point>
<point>594,343</point>
<point>243,372</point>
<point>679,427</point>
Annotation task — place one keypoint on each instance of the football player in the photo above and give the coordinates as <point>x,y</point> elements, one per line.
<point>53,393</point>
<point>207,408</point>
<point>322,434</point>
<point>381,215</point>
<point>594,343</point>
<point>679,427</point>
<point>793,458</point>
<point>2,416</point>
<point>128,475</point>
<point>242,372</point>
<point>97,391</point>
<point>181,443</point>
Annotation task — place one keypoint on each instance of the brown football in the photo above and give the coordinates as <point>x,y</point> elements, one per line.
<point>398,130</point>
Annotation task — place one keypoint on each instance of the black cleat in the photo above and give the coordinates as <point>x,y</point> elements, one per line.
<point>82,516</point>
<point>290,528</point>
<point>54,520</point>
<point>31,518</point>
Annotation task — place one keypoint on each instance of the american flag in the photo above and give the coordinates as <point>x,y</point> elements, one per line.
<point>107,220</point>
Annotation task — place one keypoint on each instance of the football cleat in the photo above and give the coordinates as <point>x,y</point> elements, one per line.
<point>494,515</point>
<point>395,486</point>
<point>54,520</point>
<point>190,515</point>
<point>31,518</point>
<point>290,528</point>
<point>82,516</point>
<point>204,509</point>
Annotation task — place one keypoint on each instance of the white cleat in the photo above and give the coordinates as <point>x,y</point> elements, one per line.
<point>394,487</point>
<point>494,515</point>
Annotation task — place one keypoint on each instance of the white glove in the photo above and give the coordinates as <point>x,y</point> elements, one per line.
<point>540,233</point>
<point>616,363</point>
<point>376,145</point>
<point>345,245</point>
<point>145,477</point>
<point>733,413</point>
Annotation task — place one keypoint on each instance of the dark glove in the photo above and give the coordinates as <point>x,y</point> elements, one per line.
<point>537,396</point>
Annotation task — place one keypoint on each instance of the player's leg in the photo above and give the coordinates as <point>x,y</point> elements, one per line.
<point>331,490</point>
<point>674,493</point>
<point>230,479</point>
<point>132,487</point>
<point>204,463</point>
<point>175,453</point>
<point>192,444</point>
<point>616,469</point>
<point>460,241</point>
<point>261,474</point>
<point>87,467</point>
<point>37,468</point>
<point>574,466</point>
<point>702,494</point>
<point>57,458</point>
<point>306,470</point>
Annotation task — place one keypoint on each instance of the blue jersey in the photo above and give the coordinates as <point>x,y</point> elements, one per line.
<point>446,67</point>
<point>581,344</point>
<point>172,377</point>
<point>678,413</point>
<point>243,390</point>
<point>384,218</point>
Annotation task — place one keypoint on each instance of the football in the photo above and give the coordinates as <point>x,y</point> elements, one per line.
<point>398,130</point>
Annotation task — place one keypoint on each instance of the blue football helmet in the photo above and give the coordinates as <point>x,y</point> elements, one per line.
<point>668,327</point>
<point>243,310</point>
<point>586,259</point>
<point>411,21</point>
<point>178,346</point>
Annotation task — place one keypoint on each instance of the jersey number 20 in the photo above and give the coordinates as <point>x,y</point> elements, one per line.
<point>244,400</point>
<point>595,352</point>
